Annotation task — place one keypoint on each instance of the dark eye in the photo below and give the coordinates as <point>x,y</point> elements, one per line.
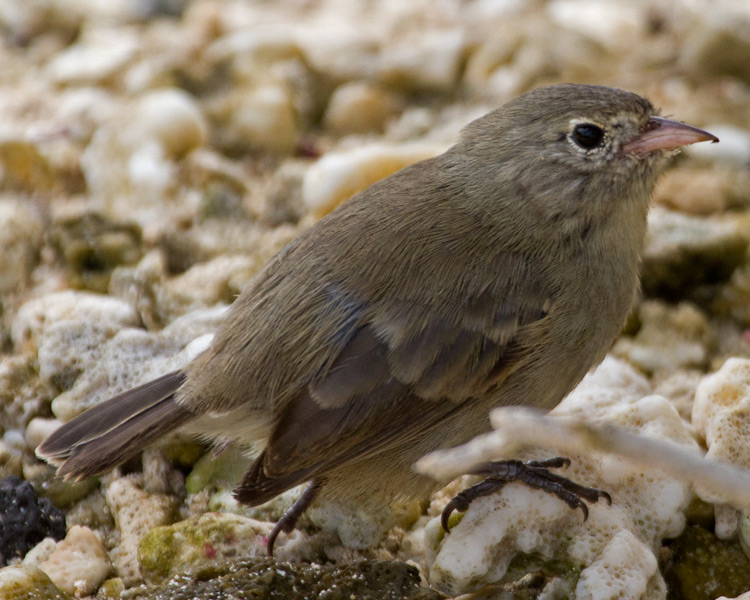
<point>587,135</point>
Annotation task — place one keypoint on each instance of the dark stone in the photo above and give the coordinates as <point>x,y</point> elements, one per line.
<point>25,519</point>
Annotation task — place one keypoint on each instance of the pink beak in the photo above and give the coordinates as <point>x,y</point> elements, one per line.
<point>665,134</point>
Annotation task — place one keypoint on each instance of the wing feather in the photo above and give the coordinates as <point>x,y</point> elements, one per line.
<point>365,402</point>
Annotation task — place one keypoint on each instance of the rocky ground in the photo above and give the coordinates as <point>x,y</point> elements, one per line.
<point>155,153</point>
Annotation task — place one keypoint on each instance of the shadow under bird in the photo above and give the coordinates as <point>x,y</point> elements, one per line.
<point>497,273</point>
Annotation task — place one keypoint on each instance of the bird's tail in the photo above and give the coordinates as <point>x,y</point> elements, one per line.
<point>110,433</point>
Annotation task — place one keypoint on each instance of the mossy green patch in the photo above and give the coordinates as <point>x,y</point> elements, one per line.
<point>703,567</point>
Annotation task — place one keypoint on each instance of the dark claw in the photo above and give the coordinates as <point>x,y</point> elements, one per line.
<point>463,499</point>
<point>460,503</point>
<point>535,474</point>
<point>585,510</point>
<point>447,512</point>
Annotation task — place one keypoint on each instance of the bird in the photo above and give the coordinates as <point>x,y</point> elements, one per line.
<point>497,273</point>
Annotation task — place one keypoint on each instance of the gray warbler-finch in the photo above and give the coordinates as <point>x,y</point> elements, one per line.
<point>497,273</point>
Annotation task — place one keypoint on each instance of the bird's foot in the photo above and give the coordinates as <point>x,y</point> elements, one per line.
<point>535,474</point>
<point>288,521</point>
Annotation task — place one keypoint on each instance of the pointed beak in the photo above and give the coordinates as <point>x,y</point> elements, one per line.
<point>665,134</point>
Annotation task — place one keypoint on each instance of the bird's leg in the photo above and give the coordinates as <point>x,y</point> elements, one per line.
<point>535,474</point>
<point>288,521</point>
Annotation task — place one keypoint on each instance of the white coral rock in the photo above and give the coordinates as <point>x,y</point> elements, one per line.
<point>79,563</point>
<point>647,506</point>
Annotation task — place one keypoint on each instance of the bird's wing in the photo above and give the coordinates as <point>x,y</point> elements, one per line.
<point>384,387</point>
<point>375,326</point>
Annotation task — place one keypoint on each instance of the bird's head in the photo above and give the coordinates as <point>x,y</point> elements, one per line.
<point>572,141</point>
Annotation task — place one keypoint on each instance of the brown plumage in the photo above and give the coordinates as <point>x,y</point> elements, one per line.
<point>496,273</point>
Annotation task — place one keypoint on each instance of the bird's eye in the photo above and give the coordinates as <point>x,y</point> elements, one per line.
<point>587,135</point>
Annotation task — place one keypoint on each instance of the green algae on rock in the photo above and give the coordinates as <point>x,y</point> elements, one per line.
<point>28,583</point>
<point>702,567</point>
<point>217,471</point>
<point>194,545</point>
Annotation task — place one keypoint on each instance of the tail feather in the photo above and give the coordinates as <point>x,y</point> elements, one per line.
<point>117,429</point>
